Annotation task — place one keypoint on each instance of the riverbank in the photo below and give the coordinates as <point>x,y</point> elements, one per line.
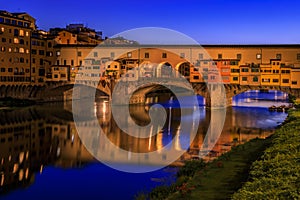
<point>223,177</point>
<point>277,174</point>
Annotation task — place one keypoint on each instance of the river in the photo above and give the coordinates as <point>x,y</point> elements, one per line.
<point>43,157</point>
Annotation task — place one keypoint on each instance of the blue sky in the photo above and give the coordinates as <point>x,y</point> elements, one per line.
<point>206,21</point>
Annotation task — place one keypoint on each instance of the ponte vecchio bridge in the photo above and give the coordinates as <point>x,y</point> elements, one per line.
<point>212,71</point>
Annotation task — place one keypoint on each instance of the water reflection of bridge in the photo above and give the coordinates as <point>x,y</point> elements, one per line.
<point>32,138</point>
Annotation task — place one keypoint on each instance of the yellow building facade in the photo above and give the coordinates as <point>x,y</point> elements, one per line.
<point>249,64</point>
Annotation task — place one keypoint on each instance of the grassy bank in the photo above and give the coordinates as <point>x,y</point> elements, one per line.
<point>216,180</point>
<point>222,177</point>
<point>277,174</point>
<point>259,169</point>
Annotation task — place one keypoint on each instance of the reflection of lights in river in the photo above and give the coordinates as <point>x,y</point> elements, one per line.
<point>104,108</point>
<point>170,115</point>
<point>177,140</point>
<point>150,138</point>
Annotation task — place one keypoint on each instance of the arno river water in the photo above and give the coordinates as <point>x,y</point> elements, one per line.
<point>42,156</point>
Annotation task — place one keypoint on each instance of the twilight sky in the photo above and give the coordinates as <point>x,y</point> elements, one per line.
<point>206,21</point>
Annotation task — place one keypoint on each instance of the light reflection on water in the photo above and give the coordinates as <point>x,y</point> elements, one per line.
<point>254,98</point>
<point>58,166</point>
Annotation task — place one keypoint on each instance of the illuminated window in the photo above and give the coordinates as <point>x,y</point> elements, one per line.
<point>9,49</point>
<point>27,33</point>
<point>27,50</point>
<point>49,53</point>
<point>16,40</point>
<point>258,56</point>
<point>21,50</point>
<point>21,33</point>
<point>2,29</point>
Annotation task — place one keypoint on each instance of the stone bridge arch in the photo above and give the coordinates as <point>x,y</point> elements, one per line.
<point>233,90</point>
<point>140,94</point>
<point>184,68</point>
